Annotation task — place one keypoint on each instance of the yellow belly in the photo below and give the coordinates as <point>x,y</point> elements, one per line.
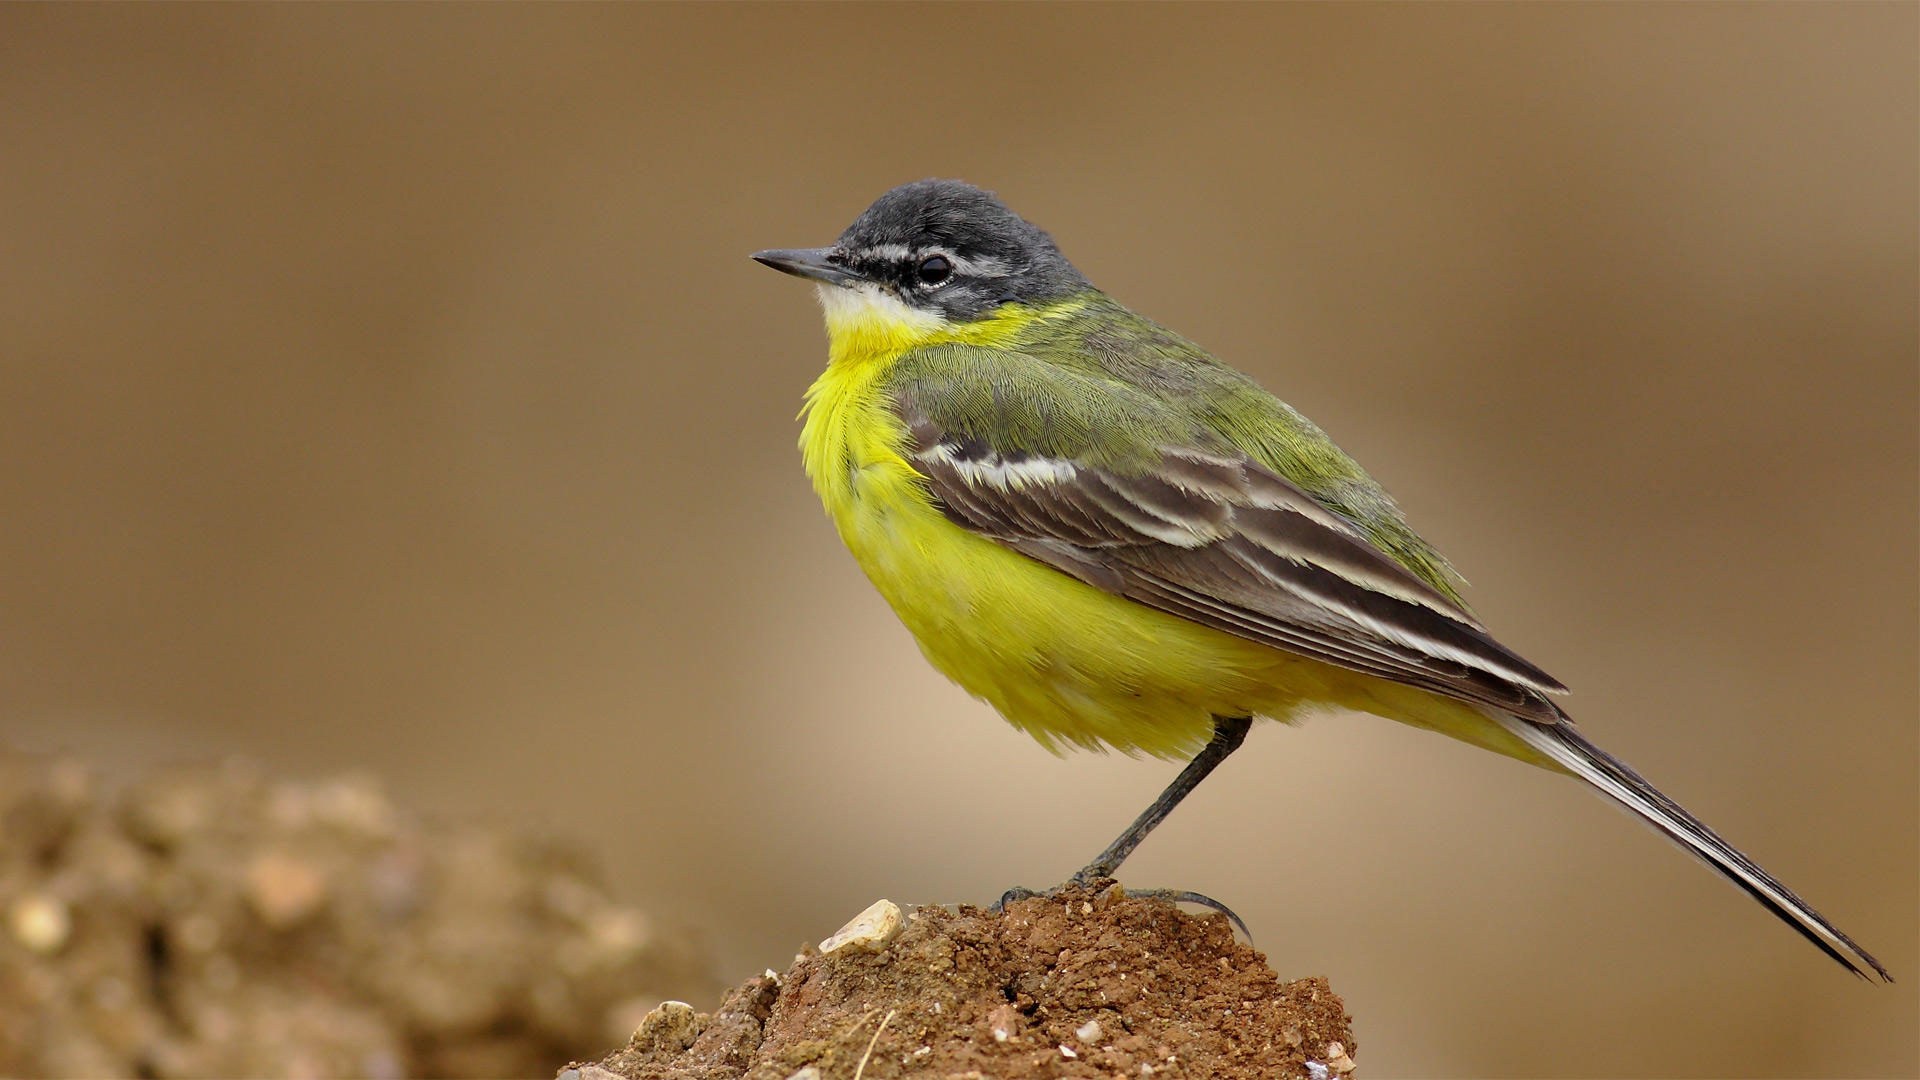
<point>1061,660</point>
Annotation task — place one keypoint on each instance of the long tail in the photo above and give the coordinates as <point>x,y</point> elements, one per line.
<point>1568,748</point>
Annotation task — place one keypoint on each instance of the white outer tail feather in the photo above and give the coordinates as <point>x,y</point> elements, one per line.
<point>1565,746</point>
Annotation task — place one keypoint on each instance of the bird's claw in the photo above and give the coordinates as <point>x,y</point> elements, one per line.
<point>1096,885</point>
<point>1018,892</point>
<point>1183,896</point>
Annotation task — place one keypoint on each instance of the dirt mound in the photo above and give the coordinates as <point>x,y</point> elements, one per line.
<point>214,922</point>
<point>1081,985</point>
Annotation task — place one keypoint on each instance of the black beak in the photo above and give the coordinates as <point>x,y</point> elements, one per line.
<point>814,263</point>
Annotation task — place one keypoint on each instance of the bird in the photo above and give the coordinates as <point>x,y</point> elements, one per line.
<point>1118,541</point>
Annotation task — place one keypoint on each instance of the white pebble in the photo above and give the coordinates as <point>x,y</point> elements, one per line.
<point>40,922</point>
<point>1088,1032</point>
<point>870,930</point>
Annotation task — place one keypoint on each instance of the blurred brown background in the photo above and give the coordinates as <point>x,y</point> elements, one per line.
<point>389,387</point>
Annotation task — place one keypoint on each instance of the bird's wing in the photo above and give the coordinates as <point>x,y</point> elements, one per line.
<point>1216,537</point>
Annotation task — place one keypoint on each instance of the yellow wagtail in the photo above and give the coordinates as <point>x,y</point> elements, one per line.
<point>1117,540</point>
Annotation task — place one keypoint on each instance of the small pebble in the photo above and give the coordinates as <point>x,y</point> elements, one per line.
<point>1088,1032</point>
<point>1338,1059</point>
<point>1317,1071</point>
<point>1067,1051</point>
<point>40,922</point>
<point>1004,1022</point>
<point>283,890</point>
<point>869,930</point>
<point>671,1027</point>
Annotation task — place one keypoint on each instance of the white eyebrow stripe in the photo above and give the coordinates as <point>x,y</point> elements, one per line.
<point>983,266</point>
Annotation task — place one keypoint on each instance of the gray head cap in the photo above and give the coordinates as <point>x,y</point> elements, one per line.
<point>997,255</point>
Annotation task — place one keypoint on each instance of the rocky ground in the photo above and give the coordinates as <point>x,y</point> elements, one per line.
<point>1080,985</point>
<point>212,921</point>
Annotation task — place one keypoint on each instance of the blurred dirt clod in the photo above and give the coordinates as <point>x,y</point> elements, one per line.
<point>284,891</point>
<point>211,921</point>
<point>1078,985</point>
<point>40,922</point>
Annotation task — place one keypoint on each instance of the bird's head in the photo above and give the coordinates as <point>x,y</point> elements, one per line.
<point>931,254</point>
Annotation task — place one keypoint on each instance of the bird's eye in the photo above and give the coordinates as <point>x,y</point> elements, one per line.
<point>935,270</point>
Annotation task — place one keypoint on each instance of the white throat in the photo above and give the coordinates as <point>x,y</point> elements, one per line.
<point>867,309</point>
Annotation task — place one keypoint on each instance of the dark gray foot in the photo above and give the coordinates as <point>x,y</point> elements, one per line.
<point>1171,896</point>
<point>1019,892</point>
<point>1181,896</point>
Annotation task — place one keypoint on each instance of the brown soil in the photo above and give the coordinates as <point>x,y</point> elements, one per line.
<point>215,922</point>
<point>1081,985</point>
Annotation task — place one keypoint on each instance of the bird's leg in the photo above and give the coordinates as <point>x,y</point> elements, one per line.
<point>1228,734</point>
